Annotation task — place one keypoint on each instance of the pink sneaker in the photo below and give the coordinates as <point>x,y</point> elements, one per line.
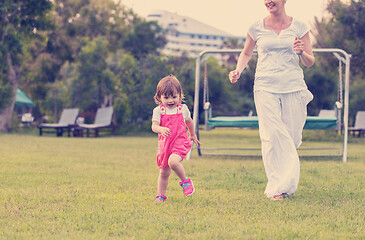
<point>160,198</point>
<point>187,186</point>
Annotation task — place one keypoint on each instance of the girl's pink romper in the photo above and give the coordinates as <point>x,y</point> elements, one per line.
<point>178,142</point>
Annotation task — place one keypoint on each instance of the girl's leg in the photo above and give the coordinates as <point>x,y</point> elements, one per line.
<point>163,180</point>
<point>176,166</point>
<point>186,184</point>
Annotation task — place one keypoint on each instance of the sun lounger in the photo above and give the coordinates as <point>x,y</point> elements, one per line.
<point>67,121</point>
<point>103,121</point>
<point>359,125</point>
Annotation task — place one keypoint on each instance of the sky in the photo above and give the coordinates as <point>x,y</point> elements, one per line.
<point>231,16</point>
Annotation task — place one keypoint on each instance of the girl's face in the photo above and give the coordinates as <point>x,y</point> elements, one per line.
<point>274,5</point>
<point>170,101</point>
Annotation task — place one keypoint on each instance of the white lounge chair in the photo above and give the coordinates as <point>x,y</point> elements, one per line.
<point>103,121</point>
<point>67,121</point>
<point>359,125</point>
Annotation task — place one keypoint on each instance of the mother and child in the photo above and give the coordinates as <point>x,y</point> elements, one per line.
<point>281,97</point>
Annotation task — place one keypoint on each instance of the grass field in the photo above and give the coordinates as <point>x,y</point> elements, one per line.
<point>103,188</point>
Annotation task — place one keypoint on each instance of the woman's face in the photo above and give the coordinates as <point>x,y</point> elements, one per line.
<point>274,5</point>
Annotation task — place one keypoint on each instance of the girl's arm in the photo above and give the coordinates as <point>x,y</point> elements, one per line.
<point>156,128</point>
<point>190,123</point>
<point>303,47</point>
<point>243,59</point>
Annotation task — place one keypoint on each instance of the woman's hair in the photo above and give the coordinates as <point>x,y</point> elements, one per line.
<point>168,86</point>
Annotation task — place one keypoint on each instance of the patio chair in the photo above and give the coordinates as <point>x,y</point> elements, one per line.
<point>359,125</point>
<point>27,118</point>
<point>67,121</point>
<point>103,121</point>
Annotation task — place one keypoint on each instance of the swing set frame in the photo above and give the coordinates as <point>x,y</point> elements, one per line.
<point>343,58</point>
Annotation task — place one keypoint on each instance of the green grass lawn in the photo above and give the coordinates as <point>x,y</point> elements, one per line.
<point>103,188</point>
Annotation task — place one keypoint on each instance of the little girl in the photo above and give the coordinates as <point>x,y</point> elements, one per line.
<point>169,120</point>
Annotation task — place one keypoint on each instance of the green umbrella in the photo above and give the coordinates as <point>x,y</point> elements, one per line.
<point>21,99</point>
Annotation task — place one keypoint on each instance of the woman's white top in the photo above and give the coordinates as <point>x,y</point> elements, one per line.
<point>170,111</point>
<point>278,69</point>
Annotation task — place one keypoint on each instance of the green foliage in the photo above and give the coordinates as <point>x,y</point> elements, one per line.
<point>146,38</point>
<point>18,20</point>
<point>219,92</point>
<point>345,29</point>
<point>77,23</point>
<point>324,88</point>
<point>183,68</point>
<point>136,82</point>
<point>5,95</point>
<point>23,16</point>
<point>351,20</point>
<point>93,82</point>
<point>87,53</point>
<point>142,90</point>
<point>228,99</point>
<point>357,99</point>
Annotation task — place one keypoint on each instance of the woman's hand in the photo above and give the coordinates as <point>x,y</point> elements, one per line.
<point>303,47</point>
<point>298,46</point>
<point>234,76</point>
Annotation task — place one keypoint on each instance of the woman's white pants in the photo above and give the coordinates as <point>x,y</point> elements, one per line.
<point>281,120</point>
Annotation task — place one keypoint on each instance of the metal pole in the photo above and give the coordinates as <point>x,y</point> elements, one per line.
<point>205,97</point>
<point>346,110</point>
<point>196,99</point>
<point>340,98</point>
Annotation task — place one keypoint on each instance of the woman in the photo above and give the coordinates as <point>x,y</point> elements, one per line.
<point>280,93</point>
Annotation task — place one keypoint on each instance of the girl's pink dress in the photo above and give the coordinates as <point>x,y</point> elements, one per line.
<point>178,142</point>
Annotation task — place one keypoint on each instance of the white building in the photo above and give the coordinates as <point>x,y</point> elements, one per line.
<point>185,34</point>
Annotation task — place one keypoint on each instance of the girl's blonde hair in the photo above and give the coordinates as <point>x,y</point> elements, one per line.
<point>168,86</point>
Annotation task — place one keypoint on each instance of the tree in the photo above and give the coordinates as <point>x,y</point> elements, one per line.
<point>18,22</point>
<point>232,43</point>
<point>323,86</point>
<point>76,21</point>
<point>146,38</point>
<point>94,83</point>
<point>345,29</point>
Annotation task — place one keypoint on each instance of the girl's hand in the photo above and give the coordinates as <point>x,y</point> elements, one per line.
<point>164,131</point>
<point>298,45</point>
<point>234,76</point>
<point>195,140</point>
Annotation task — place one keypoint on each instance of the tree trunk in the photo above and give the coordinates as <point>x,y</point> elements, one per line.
<point>55,106</point>
<point>7,113</point>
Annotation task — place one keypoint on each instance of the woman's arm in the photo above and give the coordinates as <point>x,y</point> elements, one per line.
<point>303,47</point>
<point>243,59</point>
